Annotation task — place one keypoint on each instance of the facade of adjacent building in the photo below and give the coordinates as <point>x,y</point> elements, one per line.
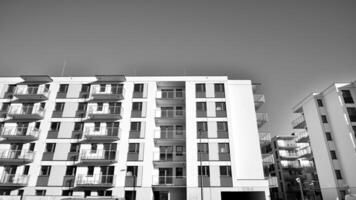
<point>127,137</point>
<point>330,119</point>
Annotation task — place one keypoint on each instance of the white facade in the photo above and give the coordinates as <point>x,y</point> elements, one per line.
<point>330,119</point>
<point>129,136</point>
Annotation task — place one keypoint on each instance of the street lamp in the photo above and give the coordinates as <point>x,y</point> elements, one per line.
<point>201,165</point>
<point>300,187</point>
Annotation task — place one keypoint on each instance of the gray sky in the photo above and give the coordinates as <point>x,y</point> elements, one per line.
<point>291,47</point>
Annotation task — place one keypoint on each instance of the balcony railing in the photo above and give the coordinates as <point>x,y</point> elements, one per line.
<point>106,113</point>
<point>302,136</point>
<point>169,157</point>
<point>31,93</point>
<point>95,180</point>
<point>262,118</point>
<point>290,164</point>
<point>16,156</point>
<point>286,144</point>
<point>169,135</point>
<point>114,93</point>
<point>170,114</point>
<point>299,122</point>
<point>305,152</point>
<point>268,159</point>
<point>272,182</point>
<point>265,138</point>
<point>20,133</point>
<point>26,112</point>
<point>103,134</point>
<point>102,156</point>
<point>289,155</point>
<point>169,181</point>
<point>13,180</point>
<point>259,100</point>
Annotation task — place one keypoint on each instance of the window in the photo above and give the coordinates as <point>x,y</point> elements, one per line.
<point>203,148</point>
<point>50,147</point>
<point>203,171</point>
<point>352,114</point>
<point>59,107</point>
<point>225,170</point>
<point>102,87</point>
<point>55,126</point>
<point>179,172</point>
<point>32,147</point>
<point>323,119</point>
<point>219,87</point>
<point>137,106</point>
<point>138,88</point>
<point>202,127</point>
<point>179,130</point>
<point>96,126</point>
<point>135,126</point>
<point>71,170</point>
<point>346,94</point>
<point>78,126</point>
<point>222,126</point>
<point>104,193</point>
<point>20,193</point>
<point>224,148</point>
<point>131,171</point>
<point>93,148</point>
<point>26,170</point>
<point>328,136</point>
<point>90,171</point>
<point>179,150</point>
<point>201,106</point>
<point>11,88</point>
<point>87,193</point>
<point>74,147</point>
<point>67,193</point>
<point>100,107</point>
<point>320,102</point>
<point>333,155</point>
<point>5,107</point>
<point>85,88</point>
<point>45,170</point>
<point>63,88</point>
<point>200,87</point>
<point>338,174</point>
<point>134,147</point>
<point>82,106</point>
<point>220,106</point>
<point>354,129</point>
<point>40,192</point>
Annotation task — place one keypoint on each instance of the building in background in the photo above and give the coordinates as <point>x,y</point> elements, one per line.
<point>130,137</point>
<point>329,117</point>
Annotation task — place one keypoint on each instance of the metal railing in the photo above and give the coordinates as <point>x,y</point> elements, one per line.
<point>268,159</point>
<point>16,155</point>
<point>25,90</point>
<point>272,181</point>
<point>169,156</point>
<point>169,180</point>
<point>265,137</point>
<point>14,179</point>
<point>20,131</point>
<point>301,135</point>
<point>27,110</point>
<point>299,120</point>
<point>94,180</point>
<point>102,132</point>
<point>106,110</point>
<point>171,95</point>
<point>259,98</point>
<point>108,155</point>
<point>169,114</point>
<point>169,134</point>
<point>287,144</point>
<point>108,90</point>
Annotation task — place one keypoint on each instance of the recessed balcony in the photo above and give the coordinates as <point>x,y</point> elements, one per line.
<point>95,181</point>
<point>98,157</point>
<point>107,93</point>
<point>171,116</point>
<point>170,98</point>
<point>109,113</point>
<point>26,113</point>
<point>262,118</point>
<point>169,136</point>
<point>259,100</point>
<point>102,134</point>
<point>169,181</point>
<point>20,134</point>
<point>38,93</point>
<point>13,180</point>
<point>16,157</point>
<point>299,122</point>
<point>169,158</point>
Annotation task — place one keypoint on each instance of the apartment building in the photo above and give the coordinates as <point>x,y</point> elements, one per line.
<point>293,161</point>
<point>130,137</point>
<point>330,119</point>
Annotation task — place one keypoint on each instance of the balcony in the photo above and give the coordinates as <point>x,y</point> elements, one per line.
<point>273,182</point>
<point>286,144</point>
<point>170,98</point>
<point>109,113</point>
<point>287,155</point>
<point>305,152</point>
<point>299,123</point>
<point>302,137</point>
<point>28,93</point>
<point>20,134</point>
<point>13,180</point>
<point>262,118</point>
<point>169,181</point>
<point>168,158</point>
<point>267,159</point>
<point>290,164</point>
<point>259,100</point>
<point>98,157</point>
<point>108,93</point>
<point>172,116</point>
<point>169,136</point>
<point>95,181</point>
<point>16,157</point>
<point>265,138</point>
<point>26,113</point>
<point>102,134</point>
